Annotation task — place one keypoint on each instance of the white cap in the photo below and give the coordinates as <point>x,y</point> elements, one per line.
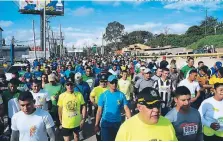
<point>78,76</point>
<point>147,70</point>
<point>142,68</point>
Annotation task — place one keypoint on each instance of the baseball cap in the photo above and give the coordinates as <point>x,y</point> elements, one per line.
<point>147,70</point>
<point>69,81</point>
<point>112,78</point>
<point>52,77</point>
<point>103,78</point>
<point>149,97</point>
<point>218,64</point>
<point>142,68</point>
<point>78,76</point>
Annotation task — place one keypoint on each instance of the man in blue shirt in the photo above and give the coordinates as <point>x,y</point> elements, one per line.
<point>38,73</point>
<point>110,104</point>
<point>214,69</point>
<point>28,74</point>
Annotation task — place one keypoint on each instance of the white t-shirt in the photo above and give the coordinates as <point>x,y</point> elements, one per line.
<point>32,127</point>
<point>211,111</point>
<point>192,86</point>
<point>13,107</point>
<point>41,98</point>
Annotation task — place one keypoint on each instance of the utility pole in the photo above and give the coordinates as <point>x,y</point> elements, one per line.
<point>206,15</point>
<point>44,28</point>
<point>48,34</point>
<point>102,45</point>
<point>12,50</point>
<point>34,39</point>
<point>60,42</point>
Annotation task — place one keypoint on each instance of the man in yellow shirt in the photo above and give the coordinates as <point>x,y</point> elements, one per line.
<point>72,112</point>
<point>97,91</point>
<point>217,79</point>
<point>147,125</point>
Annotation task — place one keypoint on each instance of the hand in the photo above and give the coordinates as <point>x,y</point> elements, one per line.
<point>193,100</point>
<point>82,123</point>
<point>215,126</point>
<point>96,128</point>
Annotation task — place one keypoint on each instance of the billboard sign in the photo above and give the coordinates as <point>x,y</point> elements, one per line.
<point>53,7</point>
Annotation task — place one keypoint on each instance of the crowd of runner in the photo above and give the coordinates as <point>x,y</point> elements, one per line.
<point>125,98</point>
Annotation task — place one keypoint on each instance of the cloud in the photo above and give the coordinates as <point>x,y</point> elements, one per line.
<point>83,11</point>
<point>157,28</point>
<point>5,24</point>
<point>191,6</point>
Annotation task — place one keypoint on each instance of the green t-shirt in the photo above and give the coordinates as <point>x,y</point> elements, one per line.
<point>7,95</point>
<point>89,80</point>
<point>54,92</point>
<point>185,69</point>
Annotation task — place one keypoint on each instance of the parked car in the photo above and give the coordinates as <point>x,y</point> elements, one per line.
<point>12,69</point>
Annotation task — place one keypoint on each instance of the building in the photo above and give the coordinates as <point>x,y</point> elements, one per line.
<point>1,30</point>
<point>136,49</point>
<point>19,52</point>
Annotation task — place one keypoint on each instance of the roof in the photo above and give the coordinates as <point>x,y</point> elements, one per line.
<point>138,46</point>
<point>1,29</point>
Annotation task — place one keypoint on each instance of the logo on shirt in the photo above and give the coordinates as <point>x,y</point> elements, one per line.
<point>189,128</point>
<point>118,102</point>
<point>71,106</point>
<point>32,130</point>
<point>215,109</point>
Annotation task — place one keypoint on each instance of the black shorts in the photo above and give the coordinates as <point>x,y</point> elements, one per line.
<point>70,131</point>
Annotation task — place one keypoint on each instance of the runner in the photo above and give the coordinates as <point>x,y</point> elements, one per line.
<point>147,125</point>
<point>157,75</point>
<point>194,87</point>
<point>72,112</point>
<point>212,115</point>
<point>110,104</point>
<point>41,97</point>
<point>54,89</point>
<point>10,98</point>
<point>185,119</point>
<point>165,89</point>
<point>94,97</point>
<point>126,87</point>
<point>145,82</point>
<point>188,67</point>
<point>31,124</point>
<point>4,123</point>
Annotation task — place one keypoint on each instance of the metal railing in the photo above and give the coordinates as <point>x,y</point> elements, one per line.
<point>218,55</point>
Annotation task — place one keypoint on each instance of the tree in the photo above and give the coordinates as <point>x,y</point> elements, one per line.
<point>209,22</point>
<point>139,37</point>
<point>114,32</point>
<point>194,30</point>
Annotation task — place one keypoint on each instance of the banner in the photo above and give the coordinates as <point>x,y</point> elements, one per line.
<point>53,7</point>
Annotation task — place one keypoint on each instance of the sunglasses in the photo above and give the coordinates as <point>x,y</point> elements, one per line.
<point>70,84</point>
<point>151,106</point>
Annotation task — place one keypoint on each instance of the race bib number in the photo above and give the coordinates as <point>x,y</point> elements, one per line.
<point>189,128</point>
<point>163,89</point>
<point>72,114</point>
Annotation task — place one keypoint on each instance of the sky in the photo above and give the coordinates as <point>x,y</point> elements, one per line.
<point>84,22</point>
